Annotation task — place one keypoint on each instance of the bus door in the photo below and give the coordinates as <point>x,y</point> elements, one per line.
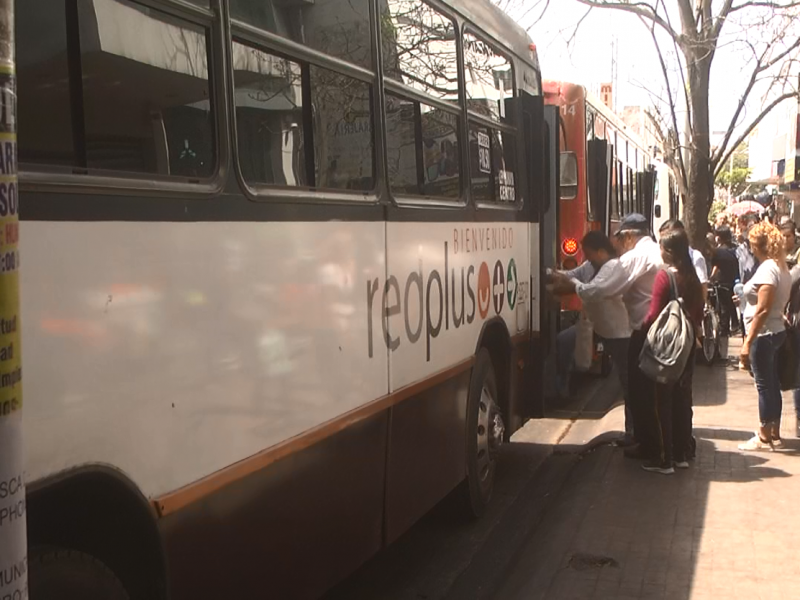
<point>598,167</point>
<point>540,135</point>
<point>645,185</point>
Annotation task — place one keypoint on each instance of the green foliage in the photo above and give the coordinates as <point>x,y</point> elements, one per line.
<point>734,174</point>
<point>717,207</point>
<point>735,179</point>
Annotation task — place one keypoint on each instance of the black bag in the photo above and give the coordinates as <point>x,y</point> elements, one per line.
<point>789,360</point>
<point>789,353</point>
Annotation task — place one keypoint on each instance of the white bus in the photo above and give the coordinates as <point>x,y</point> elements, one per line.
<point>666,204</point>
<point>280,282</point>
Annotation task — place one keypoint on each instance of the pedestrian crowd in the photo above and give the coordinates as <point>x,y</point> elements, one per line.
<point>647,302</point>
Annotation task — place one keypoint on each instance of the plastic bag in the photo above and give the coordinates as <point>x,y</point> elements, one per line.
<point>584,343</point>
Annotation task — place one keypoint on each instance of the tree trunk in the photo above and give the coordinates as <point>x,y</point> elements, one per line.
<point>701,179</point>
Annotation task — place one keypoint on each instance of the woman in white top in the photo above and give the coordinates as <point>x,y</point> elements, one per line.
<point>766,295</point>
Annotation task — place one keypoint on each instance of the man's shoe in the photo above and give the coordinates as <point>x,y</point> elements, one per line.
<point>657,466</point>
<point>681,464</point>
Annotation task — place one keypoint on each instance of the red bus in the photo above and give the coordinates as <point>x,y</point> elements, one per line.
<point>605,172</point>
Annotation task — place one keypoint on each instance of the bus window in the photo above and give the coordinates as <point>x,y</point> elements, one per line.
<point>488,80</point>
<point>569,175</point>
<point>301,125</point>
<point>419,48</point>
<point>44,119</point>
<point>422,145</point>
<point>336,27</point>
<point>143,90</point>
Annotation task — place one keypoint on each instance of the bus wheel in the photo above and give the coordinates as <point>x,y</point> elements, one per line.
<point>485,431</point>
<point>57,574</point>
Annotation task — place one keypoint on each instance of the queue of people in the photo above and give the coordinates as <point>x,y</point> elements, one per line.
<point>630,282</point>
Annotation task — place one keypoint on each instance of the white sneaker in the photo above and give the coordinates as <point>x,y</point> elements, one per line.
<point>756,443</point>
<point>777,444</point>
<point>681,464</point>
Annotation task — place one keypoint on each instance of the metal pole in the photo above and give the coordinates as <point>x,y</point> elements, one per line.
<point>13,536</point>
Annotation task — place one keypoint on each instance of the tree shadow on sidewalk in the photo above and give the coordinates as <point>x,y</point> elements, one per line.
<point>711,385</point>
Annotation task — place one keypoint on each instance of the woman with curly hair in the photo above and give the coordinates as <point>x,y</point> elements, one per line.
<point>766,295</point>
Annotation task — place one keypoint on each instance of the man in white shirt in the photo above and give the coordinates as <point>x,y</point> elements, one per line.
<point>632,277</point>
<point>608,316</point>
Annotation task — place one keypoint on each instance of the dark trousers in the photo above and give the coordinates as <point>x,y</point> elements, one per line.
<point>728,317</point>
<point>641,395</point>
<point>673,404</point>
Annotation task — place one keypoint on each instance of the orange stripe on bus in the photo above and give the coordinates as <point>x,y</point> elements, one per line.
<point>174,501</point>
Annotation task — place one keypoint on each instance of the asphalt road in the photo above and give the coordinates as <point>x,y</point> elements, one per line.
<point>446,556</point>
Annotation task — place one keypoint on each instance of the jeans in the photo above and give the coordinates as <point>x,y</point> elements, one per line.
<point>565,353</point>
<point>618,351</point>
<point>641,390</point>
<point>764,362</point>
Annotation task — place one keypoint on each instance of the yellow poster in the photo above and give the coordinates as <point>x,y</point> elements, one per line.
<point>13,543</point>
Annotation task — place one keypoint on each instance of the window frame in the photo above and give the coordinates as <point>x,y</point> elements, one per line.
<point>388,85</point>
<point>482,121</point>
<point>272,43</point>
<point>100,181</point>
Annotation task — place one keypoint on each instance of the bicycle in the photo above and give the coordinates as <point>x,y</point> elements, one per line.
<point>715,343</point>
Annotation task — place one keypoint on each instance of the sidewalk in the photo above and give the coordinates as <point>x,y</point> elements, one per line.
<point>727,528</point>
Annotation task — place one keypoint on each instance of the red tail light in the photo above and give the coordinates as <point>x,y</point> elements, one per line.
<point>569,246</point>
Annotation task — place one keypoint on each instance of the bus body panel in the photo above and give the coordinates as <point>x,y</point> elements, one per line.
<point>445,281</point>
<point>172,350</point>
<point>290,531</point>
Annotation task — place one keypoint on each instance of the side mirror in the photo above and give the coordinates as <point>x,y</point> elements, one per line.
<point>568,167</point>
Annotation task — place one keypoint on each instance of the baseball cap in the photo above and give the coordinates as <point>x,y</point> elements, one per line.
<point>633,222</point>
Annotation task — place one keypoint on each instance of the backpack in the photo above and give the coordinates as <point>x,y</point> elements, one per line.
<point>669,341</point>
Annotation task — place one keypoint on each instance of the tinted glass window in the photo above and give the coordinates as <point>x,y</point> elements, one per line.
<point>488,79</point>
<point>337,27</point>
<point>44,121</point>
<point>301,125</point>
<point>138,97</point>
<point>493,161</point>
<point>419,48</point>
<point>422,149</point>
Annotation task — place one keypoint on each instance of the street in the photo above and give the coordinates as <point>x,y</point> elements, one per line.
<point>576,520</point>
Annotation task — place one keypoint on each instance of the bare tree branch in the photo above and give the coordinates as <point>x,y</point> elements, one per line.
<point>765,4</point>
<point>574,34</point>
<point>641,9</point>
<point>673,113</point>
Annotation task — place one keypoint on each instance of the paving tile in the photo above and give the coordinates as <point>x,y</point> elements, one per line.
<point>726,528</point>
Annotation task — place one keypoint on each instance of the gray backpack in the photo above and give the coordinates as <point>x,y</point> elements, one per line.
<point>669,342</point>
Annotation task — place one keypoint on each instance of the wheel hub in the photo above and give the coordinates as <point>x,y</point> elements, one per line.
<point>491,431</point>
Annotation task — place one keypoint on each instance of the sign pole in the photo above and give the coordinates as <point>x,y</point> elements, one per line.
<point>13,536</point>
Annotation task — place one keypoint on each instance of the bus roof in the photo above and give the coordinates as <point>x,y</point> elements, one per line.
<point>490,18</point>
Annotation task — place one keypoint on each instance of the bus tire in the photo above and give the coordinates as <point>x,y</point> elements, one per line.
<point>485,432</point>
<point>59,574</point>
